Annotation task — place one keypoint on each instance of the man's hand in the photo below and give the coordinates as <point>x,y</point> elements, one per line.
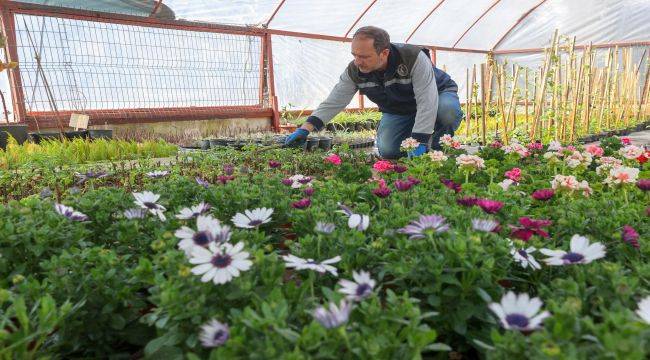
<point>297,138</point>
<point>420,150</point>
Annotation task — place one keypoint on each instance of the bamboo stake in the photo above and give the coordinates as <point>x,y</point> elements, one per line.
<point>483,98</point>
<point>605,95</point>
<point>576,98</point>
<point>468,104</point>
<point>513,103</point>
<point>473,95</point>
<point>643,91</point>
<point>526,99</point>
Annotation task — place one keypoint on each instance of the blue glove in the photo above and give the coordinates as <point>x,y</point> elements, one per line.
<point>297,138</point>
<point>421,149</point>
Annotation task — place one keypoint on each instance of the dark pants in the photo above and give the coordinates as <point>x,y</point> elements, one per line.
<point>393,128</point>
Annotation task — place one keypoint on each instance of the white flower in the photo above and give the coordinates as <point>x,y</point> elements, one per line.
<point>554,146</point>
<point>334,316</point>
<point>297,263</point>
<point>299,180</point>
<point>409,143</point>
<point>470,161</point>
<point>622,175</point>
<point>147,200</point>
<point>70,213</point>
<point>517,148</point>
<point>157,174</point>
<point>437,156</point>
<point>220,262</point>
<point>519,312</point>
<point>359,222</point>
<point>214,334</point>
<point>358,289</point>
<point>571,184</point>
<point>325,228</point>
<point>644,309</point>
<point>505,184</point>
<point>446,140</point>
<point>581,252</point>
<point>251,219</point>
<point>137,213</point>
<point>484,225</point>
<point>525,257</point>
<point>631,152</point>
<point>552,156</point>
<point>207,230</point>
<point>577,158</point>
<point>194,211</point>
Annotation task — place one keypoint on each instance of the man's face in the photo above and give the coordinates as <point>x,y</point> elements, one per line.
<point>365,56</point>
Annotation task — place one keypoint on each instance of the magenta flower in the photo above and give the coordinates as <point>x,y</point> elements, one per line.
<point>403,185</point>
<point>305,180</point>
<point>413,180</point>
<point>287,182</point>
<point>489,206</point>
<point>225,178</point>
<point>543,194</point>
<point>400,168</point>
<point>381,192</point>
<point>496,144</point>
<point>467,201</point>
<point>535,146</point>
<point>514,174</point>
<point>382,166</point>
<point>529,227</point>
<point>309,191</point>
<point>301,204</point>
<point>274,164</point>
<point>450,184</point>
<point>643,184</point>
<point>333,159</point>
<point>229,169</point>
<point>630,236</point>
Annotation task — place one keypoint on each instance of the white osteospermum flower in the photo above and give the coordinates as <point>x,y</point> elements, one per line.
<point>220,262</point>
<point>194,211</point>
<point>622,175</point>
<point>525,257</point>
<point>358,289</point>
<point>292,261</point>
<point>334,316</point>
<point>157,174</point>
<point>485,225</point>
<point>505,184</point>
<point>132,214</point>
<point>70,213</point>
<point>581,252</point>
<point>359,222</point>
<point>252,218</point>
<point>147,200</point>
<point>519,312</point>
<point>214,334</point>
<point>644,309</point>
<point>207,228</point>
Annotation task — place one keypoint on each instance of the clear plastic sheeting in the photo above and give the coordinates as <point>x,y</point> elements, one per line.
<point>306,70</point>
<point>237,12</point>
<point>126,7</point>
<point>456,65</point>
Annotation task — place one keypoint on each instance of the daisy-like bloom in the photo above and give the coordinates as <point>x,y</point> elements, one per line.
<point>516,148</point>
<point>207,227</point>
<point>252,219</point>
<point>274,164</point>
<point>471,162</point>
<point>437,156</point>
<point>513,174</point>
<point>577,158</point>
<point>70,213</point>
<point>525,258</point>
<point>581,252</point>
<point>489,206</point>
<point>382,166</point>
<point>409,144</point>
<point>418,228</point>
<point>287,182</point>
<point>292,261</point>
<point>631,152</point>
<point>333,316</point>
<point>224,179</point>
<point>325,228</point>
<point>399,168</point>
<point>505,184</point>
<point>554,146</point>
<point>571,184</point>
<point>219,262</point>
<point>298,180</point>
<point>45,193</point>
<point>485,225</point>
<point>594,150</point>
<point>529,227</point>
<point>467,201</point>
<point>358,289</point>
<point>147,200</point>
<point>359,222</point>
<point>450,184</point>
<point>214,334</point>
<point>158,174</point>
<point>622,175</point>
<point>644,309</point>
<point>413,180</point>
<point>89,175</point>
<point>381,191</point>
<point>194,211</point>
<point>543,194</point>
<point>309,191</point>
<point>301,204</point>
<point>643,184</point>
<point>630,236</point>
<point>202,182</point>
<point>519,312</point>
<point>136,213</point>
<point>401,185</point>
<point>333,159</point>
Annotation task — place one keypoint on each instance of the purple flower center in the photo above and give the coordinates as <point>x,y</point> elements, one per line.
<point>220,336</point>
<point>202,238</point>
<point>523,253</point>
<point>573,257</point>
<point>363,290</point>
<point>221,261</point>
<point>517,320</point>
<point>255,222</point>
<point>150,205</point>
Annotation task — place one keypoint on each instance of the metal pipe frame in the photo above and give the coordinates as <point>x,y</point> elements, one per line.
<point>423,20</point>
<point>359,17</point>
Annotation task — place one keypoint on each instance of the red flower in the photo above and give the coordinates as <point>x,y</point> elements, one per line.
<point>626,141</point>
<point>642,159</point>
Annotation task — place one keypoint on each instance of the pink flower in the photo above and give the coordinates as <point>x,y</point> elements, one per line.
<point>287,182</point>
<point>643,184</point>
<point>529,227</point>
<point>489,206</point>
<point>301,204</point>
<point>496,144</point>
<point>225,178</point>
<point>413,180</point>
<point>333,159</point>
<point>467,201</point>
<point>630,236</point>
<point>535,146</point>
<point>309,191</point>
<point>543,194</point>
<point>399,168</point>
<point>381,191</point>
<point>274,164</point>
<point>450,184</point>
<point>514,174</point>
<point>594,150</point>
<point>383,166</point>
<point>570,148</point>
<point>403,185</point>
<point>626,141</point>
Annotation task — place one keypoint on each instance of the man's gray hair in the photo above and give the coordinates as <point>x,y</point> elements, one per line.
<point>380,37</point>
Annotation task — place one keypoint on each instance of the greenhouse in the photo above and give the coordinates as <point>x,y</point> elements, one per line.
<point>294,179</point>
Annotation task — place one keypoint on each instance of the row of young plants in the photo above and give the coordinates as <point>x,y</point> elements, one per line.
<point>520,251</point>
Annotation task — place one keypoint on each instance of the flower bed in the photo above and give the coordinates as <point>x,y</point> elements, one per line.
<point>518,251</point>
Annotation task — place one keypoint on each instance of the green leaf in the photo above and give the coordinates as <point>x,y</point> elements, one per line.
<point>438,347</point>
<point>169,339</point>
